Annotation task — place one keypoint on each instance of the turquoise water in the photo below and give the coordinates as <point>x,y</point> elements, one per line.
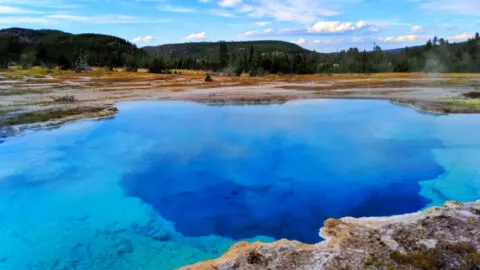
<point>165,184</point>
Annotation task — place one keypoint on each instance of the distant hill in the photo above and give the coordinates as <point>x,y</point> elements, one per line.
<point>210,49</point>
<point>26,36</point>
<point>52,46</point>
<point>29,37</point>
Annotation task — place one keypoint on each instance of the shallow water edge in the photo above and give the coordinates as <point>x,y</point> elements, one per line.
<point>108,111</point>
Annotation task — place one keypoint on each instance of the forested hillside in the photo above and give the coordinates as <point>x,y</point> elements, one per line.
<point>437,55</point>
<point>51,48</point>
<point>210,49</point>
<point>54,48</point>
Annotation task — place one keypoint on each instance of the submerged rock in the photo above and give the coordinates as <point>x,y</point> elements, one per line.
<point>445,237</point>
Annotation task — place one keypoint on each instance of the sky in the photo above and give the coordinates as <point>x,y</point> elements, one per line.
<point>321,25</point>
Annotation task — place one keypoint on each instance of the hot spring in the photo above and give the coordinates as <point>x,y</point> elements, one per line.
<point>166,184</point>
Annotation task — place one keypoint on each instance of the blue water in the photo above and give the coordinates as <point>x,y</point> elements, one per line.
<point>165,184</point>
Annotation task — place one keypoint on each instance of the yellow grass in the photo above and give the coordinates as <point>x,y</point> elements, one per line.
<point>471,103</point>
<point>183,77</point>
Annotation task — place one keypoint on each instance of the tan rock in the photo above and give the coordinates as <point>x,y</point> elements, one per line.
<point>439,238</point>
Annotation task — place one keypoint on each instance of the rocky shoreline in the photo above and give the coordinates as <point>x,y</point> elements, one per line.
<point>445,237</point>
<point>52,118</point>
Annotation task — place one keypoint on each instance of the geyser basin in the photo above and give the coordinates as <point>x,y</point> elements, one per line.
<point>166,184</point>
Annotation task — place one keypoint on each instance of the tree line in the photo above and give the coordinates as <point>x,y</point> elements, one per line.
<point>79,52</point>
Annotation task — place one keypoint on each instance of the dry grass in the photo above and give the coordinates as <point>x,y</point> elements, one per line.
<point>39,75</point>
<point>118,80</point>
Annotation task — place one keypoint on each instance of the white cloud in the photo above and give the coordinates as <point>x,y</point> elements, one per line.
<point>463,36</point>
<point>229,3</point>
<point>250,33</point>
<point>14,10</point>
<point>326,27</point>
<point>145,39</point>
<point>197,36</point>
<point>417,38</point>
<point>222,13</point>
<point>300,41</point>
<point>320,28</point>
<point>302,11</point>
<point>417,29</point>
<point>262,23</point>
<point>272,32</point>
<point>318,41</point>
<point>404,38</point>
<point>375,28</point>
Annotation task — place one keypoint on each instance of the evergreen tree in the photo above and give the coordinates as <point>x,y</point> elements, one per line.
<point>251,54</point>
<point>223,54</point>
<point>157,65</point>
<point>429,45</point>
<point>9,48</point>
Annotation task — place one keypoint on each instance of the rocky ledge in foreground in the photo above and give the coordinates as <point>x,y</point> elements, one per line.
<point>445,237</point>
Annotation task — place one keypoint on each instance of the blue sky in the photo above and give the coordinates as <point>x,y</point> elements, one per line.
<point>323,25</point>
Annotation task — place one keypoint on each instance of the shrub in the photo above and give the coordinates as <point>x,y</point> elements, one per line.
<point>238,70</point>
<point>131,68</point>
<point>208,77</point>
<point>27,59</point>
<point>131,64</point>
<point>82,65</point>
<point>64,63</point>
<point>156,66</point>
<point>261,71</point>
